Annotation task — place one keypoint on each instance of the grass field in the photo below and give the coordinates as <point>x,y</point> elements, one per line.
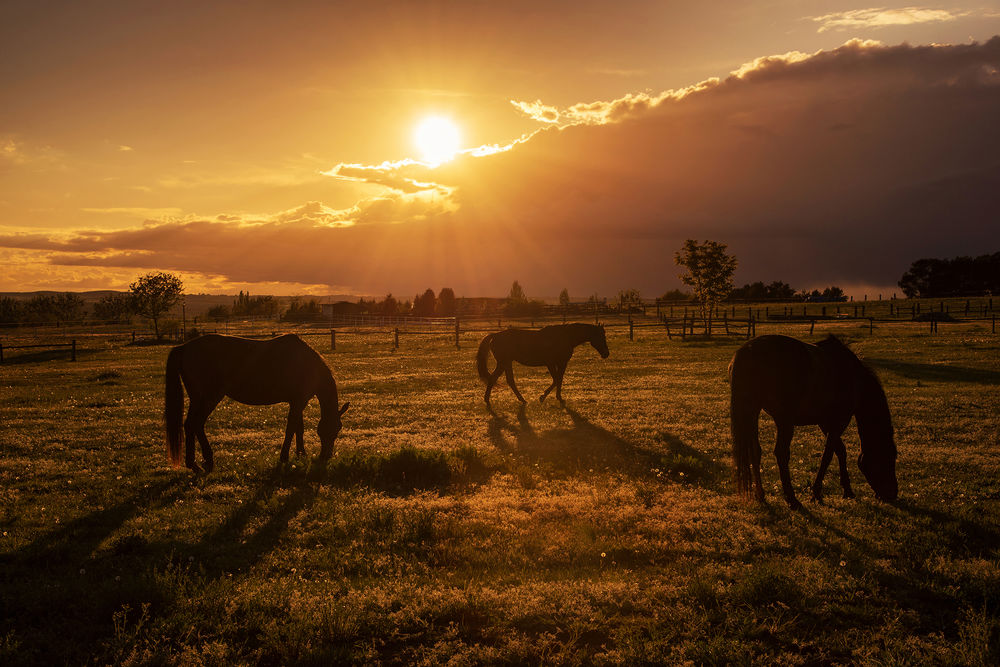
<point>605,532</point>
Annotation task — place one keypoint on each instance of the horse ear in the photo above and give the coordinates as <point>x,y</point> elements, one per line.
<point>343,408</point>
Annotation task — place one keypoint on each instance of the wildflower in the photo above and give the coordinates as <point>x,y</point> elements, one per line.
<point>118,577</point>
<point>83,571</point>
<point>843,563</point>
<point>603,554</point>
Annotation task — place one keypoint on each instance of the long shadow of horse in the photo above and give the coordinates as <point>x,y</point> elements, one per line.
<point>585,447</point>
<point>936,372</point>
<point>66,573</point>
<point>910,581</point>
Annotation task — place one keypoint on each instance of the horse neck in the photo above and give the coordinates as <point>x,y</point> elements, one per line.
<point>580,334</point>
<point>872,411</point>
<point>326,392</point>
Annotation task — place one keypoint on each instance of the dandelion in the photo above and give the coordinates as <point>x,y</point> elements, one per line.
<point>603,554</point>
<point>83,571</point>
<point>118,577</point>
<point>843,563</point>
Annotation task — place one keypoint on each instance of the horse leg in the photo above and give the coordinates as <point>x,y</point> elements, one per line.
<point>824,463</point>
<point>194,430</point>
<point>554,372</point>
<point>509,370</point>
<point>845,478</point>
<point>782,452</point>
<point>492,380</point>
<point>561,371</point>
<point>293,427</point>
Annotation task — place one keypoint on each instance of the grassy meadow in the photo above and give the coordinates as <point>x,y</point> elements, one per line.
<point>602,532</point>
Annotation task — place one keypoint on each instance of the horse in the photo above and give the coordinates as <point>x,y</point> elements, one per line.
<point>800,384</point>
<point>550,346</point>
<point>253,372</point>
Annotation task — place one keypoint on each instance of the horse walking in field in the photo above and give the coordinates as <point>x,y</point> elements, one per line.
<point>550,346</point>
<point>281,370</point>
<point>798,384</point>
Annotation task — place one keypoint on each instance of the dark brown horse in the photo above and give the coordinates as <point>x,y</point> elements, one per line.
<point>551,347</point>
<point>797,384</point>
<point>281,370</point>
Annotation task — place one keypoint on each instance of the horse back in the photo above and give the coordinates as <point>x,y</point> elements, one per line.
<point>792,381</point>
<point>256,372</point>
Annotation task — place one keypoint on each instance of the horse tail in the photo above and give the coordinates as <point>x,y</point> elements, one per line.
<point>482,357</point>
<point>744,431</point>
<point>173,407</point>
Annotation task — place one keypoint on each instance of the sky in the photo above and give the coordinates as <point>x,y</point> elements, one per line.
<point>270,146</point>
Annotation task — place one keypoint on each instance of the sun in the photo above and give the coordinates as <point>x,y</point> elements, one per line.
<point>437,138</point>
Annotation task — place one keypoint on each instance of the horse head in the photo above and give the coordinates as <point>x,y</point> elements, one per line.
<point>328,428</point>
<point>880,471</point>
<point>877,460</point>
<point>600,342</point>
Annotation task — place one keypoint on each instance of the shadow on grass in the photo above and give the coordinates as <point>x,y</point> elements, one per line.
<point>585,446</point>
<point>936,372</point>
<point>17,358</point>
<point>64,576</point>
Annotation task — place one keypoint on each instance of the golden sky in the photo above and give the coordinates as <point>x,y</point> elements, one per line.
<point>270,146</point>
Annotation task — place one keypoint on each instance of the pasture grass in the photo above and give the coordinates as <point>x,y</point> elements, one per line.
<point>602,532</point>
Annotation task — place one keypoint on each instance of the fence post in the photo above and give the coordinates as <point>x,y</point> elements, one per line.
<point>395,338</point>
<point>631,328</point>
<point>456,332</point>
<point>133,337</point>
<point>73,351</point>
<point>812,325</point>
<point>994,331</point>
<point>1,353</point>
<point>871,326</point>
<point>333,340</point>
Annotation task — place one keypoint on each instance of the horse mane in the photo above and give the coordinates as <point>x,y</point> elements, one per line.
<point>872,411</point>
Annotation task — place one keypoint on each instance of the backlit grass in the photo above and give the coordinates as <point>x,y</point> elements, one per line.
<point>602,532</point>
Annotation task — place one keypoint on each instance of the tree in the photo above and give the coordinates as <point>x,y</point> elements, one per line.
<point>952,277</point>
<point>389,305</point>
<point>114,308</point>
<point>446,302</point>
<point>219,313</point>
<point>629,299</point>
<point>709,272</point>
<point>423,304</point>
<point>564,298</point>
<point>516,296</point>
<point>154,294</point>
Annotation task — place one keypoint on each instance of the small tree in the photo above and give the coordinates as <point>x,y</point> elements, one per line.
<point>564,298</point>
<point>516,296</point>
<point>629,299</point>
<point>709,272</point>
<point>423,304</point>
<point>389,306</point>
<point>219,312</point>
<point>114,308</point>
<point>154,294</point>
<point>446,302</point>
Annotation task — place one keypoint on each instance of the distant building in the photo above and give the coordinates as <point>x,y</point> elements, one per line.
<point>341,309</point>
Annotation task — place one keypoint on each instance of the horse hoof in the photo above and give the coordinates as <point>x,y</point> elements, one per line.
<point>848,493</point>
<point>794,504</point>
<point>196,469</point>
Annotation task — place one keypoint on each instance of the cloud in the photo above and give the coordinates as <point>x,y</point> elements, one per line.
<point>881,17</point>
<point>837,167</point>
<point>137,211</point>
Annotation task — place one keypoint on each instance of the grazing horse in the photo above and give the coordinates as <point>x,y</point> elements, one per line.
<point>550,347</point>
<point>797,383</point>
<point>281,370</point>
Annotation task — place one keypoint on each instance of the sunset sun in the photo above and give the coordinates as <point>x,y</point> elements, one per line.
<point>437,138</point>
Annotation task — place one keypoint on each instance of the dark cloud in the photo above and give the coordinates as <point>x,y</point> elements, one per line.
<point>840,167</point>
